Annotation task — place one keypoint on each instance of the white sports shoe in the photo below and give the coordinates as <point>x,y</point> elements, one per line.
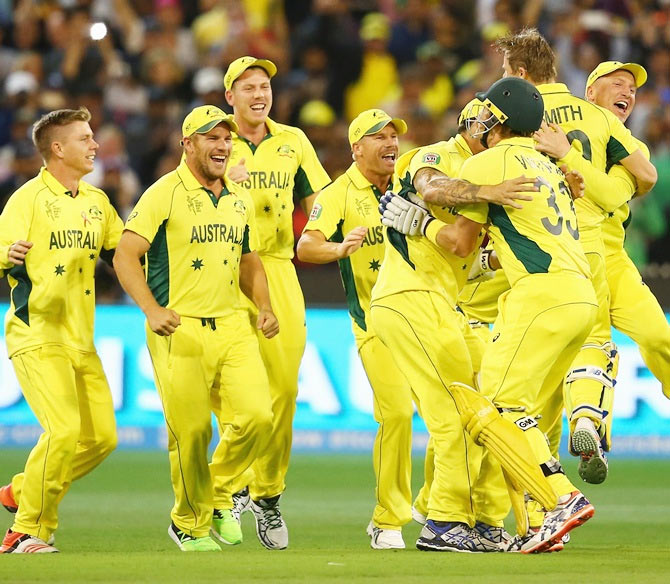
<point>419,517</point>
<point>241,503</point>
<point>572,511</point>
<point>270,527</point>
<point>22,543</point>
<point>385,539</point>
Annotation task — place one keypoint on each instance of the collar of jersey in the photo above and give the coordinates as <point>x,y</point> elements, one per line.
<point>360,182</point>
<point>54,185</point>
<point>547,88</point>
<point>191,183</point>
<point>461,143</point>
<point>526,142</point>
<point>273,129</point>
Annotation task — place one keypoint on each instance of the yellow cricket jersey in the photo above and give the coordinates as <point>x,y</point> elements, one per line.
<point>414,263</point>
<point>542,237</point>
<point>283,166</point>
<point>53,293</point>
<point>601,136</point>
<point>196,242</point>
<point>614,226</point>
<point>349,202</point>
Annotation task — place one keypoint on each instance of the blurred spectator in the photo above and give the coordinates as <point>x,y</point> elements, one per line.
<point>410,31</point>
<point>328,135</point>
<point>379,74</point>
<point>112,171</point>
<point>22,161</point>
<point>208,87</point>
<point>153,59</point>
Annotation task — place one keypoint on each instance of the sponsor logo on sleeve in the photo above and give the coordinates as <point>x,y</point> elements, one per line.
<point>316,212</point>
<point>431,158</point>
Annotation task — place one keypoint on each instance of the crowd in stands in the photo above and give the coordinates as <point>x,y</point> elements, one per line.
<point>140,65</point>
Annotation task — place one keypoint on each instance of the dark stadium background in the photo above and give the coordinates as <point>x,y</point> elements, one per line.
<point>419,59</point>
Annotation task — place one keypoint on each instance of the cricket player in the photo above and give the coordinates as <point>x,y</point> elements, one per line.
<point>345,226</point>
<point>633,308</point>
<point>195,228</point>
<point>427,168</point>
<point>413,311</point>
<point>603,141</point>
<point>52,232</point>
<point>551,303</point>
<point>275,163</point>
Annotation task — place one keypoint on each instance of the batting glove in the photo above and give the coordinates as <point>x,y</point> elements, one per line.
<point>481,268</point>
<point>404,216</point>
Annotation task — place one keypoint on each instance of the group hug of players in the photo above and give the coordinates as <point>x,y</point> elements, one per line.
<point>483,228</point>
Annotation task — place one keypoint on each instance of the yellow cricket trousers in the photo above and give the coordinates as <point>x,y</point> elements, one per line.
<point>68,392</point>
<point>392,454</point>
<point>635,311</point>
<point>584,397</point>
<point>202,363</point>
<point>281,356</point>
<point>423,332</point>
<point>542,323</point>
<point>475,341</point>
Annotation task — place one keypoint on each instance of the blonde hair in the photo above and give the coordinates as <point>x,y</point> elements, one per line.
<point>530,50</point>
<point>43,129</point>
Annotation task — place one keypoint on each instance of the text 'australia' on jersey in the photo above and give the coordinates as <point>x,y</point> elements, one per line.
<point>543,236</point>
<point>192,265</point>
<point>283,166</point>
<point>414,263</point>
<point>603,139</point>
<point>348,202</point>
<point>53,293</point>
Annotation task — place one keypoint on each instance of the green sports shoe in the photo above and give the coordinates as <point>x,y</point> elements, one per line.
<point>225,528</point>
<point>188,543</point>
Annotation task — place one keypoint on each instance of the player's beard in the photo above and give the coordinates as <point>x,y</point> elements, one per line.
<point>204,169</point>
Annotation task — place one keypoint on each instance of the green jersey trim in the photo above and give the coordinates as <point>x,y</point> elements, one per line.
<point>347,274</point>
<point>253,147</point>
<point>399,243</point>
<point>158,266</point>
<point>615,152</point>
<point>212,196</point>
<point>534,259</point>
<point>301,187</point>
<point>21,292</point>
<point>245,240</point>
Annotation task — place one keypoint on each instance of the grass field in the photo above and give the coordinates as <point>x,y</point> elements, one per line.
<point>113,529</point>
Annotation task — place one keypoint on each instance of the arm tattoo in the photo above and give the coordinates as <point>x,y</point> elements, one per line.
<point>437,188</point>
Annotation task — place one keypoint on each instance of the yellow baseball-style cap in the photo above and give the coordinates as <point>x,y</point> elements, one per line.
<point>372,121</point>
<point>471,110</point>
<point>316,113</point>
<point>203,118</point>
<point>375,26</point>
<point>607,67</point>
<point>239,66</point>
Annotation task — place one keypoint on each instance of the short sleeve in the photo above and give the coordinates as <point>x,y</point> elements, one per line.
<point>621,142</point>
<point>15,223</point>
<point>479,212</point>
<point>151,211</point>
<point>113,227</point>
<point>327,212</point>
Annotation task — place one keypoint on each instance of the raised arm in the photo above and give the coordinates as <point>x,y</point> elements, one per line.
<point>439,189</point>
